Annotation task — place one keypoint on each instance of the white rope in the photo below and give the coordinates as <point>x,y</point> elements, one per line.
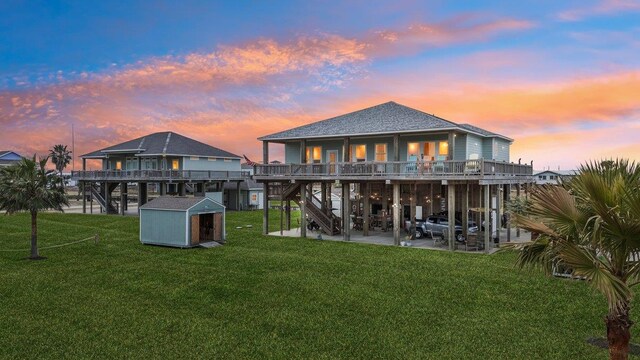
<point>96,238</point>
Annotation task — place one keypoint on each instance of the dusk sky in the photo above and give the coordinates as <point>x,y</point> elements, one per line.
<point>562,78</point>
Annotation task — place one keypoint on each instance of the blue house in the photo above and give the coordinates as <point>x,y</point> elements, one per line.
<point>8,157</point>
<point>400,162</point>
<point>170,162</point>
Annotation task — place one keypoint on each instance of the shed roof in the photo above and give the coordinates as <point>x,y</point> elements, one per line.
<point>162,143</point>
<point>387,118</point>
<point>180,203</point>
<point>557,172</point>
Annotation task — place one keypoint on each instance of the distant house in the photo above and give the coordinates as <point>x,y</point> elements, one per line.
<point>552,176</point>
<point>397,160</point>
<point>250,193</point>
<point>8,157</point>
<point>173,163</point>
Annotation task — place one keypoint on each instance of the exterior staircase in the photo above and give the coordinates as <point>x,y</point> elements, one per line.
<point>329,223</point>
<point>98,193</point>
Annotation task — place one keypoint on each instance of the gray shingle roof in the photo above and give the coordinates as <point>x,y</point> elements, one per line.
<point>161,143</point>
<point>246,185</point>
<point>173,202</point>
<point>387,118</point>
<point>6,152</point>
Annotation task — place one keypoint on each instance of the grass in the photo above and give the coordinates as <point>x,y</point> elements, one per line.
<point>269,297</point>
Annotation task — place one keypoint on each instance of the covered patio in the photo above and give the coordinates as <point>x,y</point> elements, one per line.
<point>386,238</point>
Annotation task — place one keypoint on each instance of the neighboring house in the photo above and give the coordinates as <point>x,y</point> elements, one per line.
<point>172,163</point>
<point>397,159</point>
<point>552,176</point>
<point>250,195</point>
<point>8,157</point>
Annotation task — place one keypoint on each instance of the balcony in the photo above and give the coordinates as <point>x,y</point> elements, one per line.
<point>159,175</point>
<point>399,170</point>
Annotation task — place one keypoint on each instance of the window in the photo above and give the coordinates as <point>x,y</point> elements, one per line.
<point>381,152</point>
<point>118,165</point>
<point>314,154</point>
<point>359,152</point>
<point>539,177</point>
<point>175,164</point>
<point>544,177</point>
<point>413,149</point>
<point>443,148</point>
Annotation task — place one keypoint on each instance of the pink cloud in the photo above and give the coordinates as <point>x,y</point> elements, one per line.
<point>605,7</point>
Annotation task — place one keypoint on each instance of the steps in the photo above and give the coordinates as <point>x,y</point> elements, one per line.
<point>98,193</point>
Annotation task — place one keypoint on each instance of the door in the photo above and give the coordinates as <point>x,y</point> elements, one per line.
<point>195,229</point>
<point>332,157</point>
<point>217,227</point>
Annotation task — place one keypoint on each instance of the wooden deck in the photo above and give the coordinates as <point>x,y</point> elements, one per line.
<point>399,170</point>
<point>159,175</point>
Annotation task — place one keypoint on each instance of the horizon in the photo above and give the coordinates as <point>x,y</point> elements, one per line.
<point>562,80</point>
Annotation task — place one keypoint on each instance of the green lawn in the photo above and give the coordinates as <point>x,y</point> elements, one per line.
<point>266,297</point>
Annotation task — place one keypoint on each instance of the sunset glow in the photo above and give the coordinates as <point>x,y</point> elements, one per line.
<point>561,78</point>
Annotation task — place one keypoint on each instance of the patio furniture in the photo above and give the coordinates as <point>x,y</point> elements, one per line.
<point>473,164</point>
<point>438,166</point>
<point>412,166</point>
<point>471,242</point>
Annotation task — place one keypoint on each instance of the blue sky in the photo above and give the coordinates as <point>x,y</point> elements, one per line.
<point>561,78</point>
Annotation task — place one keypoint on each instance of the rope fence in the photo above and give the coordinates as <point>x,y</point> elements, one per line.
<point>95,238</point>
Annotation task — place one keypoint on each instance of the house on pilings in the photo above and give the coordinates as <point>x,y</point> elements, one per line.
<point>167,162</point>
<point>402,164</point>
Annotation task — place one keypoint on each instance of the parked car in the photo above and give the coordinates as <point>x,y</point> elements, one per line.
<point>436,224</point>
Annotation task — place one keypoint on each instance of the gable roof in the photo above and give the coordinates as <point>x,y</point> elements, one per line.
<point>4,153</point>
<point>180,203</point>
<point>558,172</point>
<point>8,157</point>
<point>162,143</point>
<point>387,118</point>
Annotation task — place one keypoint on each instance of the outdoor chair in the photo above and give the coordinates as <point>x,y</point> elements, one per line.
<point>412,166</point>
<point>438,166</point>
<point>471,242</point>
<point>473,164</point>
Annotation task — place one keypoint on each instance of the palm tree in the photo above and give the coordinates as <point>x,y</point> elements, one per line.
<point>591,224</point>
<point>60,157</point>
<point>29,186</point>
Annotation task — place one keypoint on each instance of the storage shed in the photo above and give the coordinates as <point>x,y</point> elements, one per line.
<point>182,221</point>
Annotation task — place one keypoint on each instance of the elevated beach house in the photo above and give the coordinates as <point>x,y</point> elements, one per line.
<point>173,163</point>
<point>402,165</point>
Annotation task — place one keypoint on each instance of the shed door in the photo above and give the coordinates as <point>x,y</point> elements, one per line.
<point>217,227</point>
<point>195,229</point>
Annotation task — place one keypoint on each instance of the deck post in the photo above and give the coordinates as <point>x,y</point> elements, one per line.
<point>303,210</point>
<point>323,197</point>
<point>346,156</point>
<point>430,198</point>
<point>487,218</point>
<point>507,197</point>
<point>465,210</point>
<point>396,153</point>
<point>451,212</point>
<point>84,195</point>
<point>123,197</point>
<point>238,199</point>
<point>397,214</point>
<point>163,189</point>
<point>412,211</point>
<point>518,197</point>
<point>107,196</point>
<point>346,212</point>
<point>365,213</point>
<point>265,191</point>
<point>182,189</point>
<point>282,206</point>
<point>498,212</point>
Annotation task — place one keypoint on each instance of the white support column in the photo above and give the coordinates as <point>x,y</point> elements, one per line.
<point>303,210</point>
<point>265,191</point>
<point>451,212</point>
<point>346,212</point>
<point>487,218</point>
<point>397,214</point>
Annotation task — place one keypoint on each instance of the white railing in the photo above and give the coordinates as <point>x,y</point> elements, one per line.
<point>397,168</point>
<point>137,175</point>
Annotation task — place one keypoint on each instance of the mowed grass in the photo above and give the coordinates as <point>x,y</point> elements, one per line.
<point>269,297</point>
